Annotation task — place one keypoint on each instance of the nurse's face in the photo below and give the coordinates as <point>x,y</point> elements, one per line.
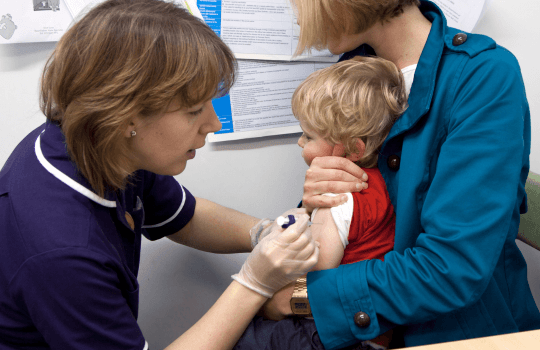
<point>164,144</point>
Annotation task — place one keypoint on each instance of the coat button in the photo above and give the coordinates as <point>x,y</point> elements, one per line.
<point>393,162</point>
<point>459,39</point>
<point>362,319</point>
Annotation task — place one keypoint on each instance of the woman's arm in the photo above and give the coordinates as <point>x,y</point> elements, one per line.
<point>218,229</point>
<point>277,260</point>
<point>224,323</point>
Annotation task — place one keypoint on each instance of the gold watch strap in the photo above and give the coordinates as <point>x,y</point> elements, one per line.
<point>300,288</point>
<point>299,301</point>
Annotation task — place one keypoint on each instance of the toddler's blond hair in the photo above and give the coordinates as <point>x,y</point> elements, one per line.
<point>359,98</point>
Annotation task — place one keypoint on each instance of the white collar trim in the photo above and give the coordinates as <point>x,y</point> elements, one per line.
<point>175,214</point>
<point>68,181</point>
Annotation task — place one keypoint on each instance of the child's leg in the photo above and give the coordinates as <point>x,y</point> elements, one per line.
<point>289,334</point>
<point>293,333</point>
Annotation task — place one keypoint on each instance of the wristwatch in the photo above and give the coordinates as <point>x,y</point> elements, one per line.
<point>299,300</point>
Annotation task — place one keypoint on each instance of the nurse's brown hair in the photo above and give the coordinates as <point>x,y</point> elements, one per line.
<point>127,58</point>
<point>321,19</point>
<point>360,98</point>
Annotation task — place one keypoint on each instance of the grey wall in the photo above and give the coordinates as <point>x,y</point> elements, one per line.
<point>260,177</point>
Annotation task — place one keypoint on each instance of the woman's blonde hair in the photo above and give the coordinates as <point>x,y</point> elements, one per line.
<point>321,19</point>
<point>359,98</point>
<point>127,58</point>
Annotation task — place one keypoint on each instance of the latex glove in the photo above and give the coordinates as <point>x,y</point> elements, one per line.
<point>280,258</point>
<point>265,226</point>
<point>259,231</point>
<point>331,175</point>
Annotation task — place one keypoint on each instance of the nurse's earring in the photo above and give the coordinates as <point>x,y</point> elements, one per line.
<point>130,130</point>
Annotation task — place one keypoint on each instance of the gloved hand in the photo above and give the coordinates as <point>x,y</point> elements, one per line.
<point>259,231</point>
<point>280,258</point>
<point>265,226</point>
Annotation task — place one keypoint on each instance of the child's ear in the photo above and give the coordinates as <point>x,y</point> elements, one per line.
<point>361,147</point>
<point>339,151</point>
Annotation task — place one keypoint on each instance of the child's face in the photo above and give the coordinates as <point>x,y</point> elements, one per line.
<point>313,145</point>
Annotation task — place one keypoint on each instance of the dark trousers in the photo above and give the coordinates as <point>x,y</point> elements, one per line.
<point>294,333</point>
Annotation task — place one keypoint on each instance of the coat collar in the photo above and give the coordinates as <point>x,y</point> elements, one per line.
<point>440,39</point>
<point>424,82</point>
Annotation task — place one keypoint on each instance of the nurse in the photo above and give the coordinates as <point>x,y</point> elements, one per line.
<point>455,165</point>
<point>127,95</point>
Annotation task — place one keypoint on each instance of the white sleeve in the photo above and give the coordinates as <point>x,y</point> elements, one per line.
<point>342,215</point>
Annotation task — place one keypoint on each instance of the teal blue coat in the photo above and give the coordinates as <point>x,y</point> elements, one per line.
<point>463,146</point>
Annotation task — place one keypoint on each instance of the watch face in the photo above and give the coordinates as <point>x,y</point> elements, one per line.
<point>300,306</point>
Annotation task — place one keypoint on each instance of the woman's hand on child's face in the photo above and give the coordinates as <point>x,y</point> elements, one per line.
<point>331,175</point>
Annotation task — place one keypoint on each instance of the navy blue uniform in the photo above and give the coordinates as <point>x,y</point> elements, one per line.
<point>69,258</point>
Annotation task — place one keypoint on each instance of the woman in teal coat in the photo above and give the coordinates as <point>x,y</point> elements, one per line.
<point>455,165</point>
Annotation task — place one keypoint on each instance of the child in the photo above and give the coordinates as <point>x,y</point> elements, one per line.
<point>347,110</point>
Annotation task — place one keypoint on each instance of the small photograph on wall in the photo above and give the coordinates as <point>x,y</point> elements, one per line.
<point>46,5</point>
<point>27,21</point>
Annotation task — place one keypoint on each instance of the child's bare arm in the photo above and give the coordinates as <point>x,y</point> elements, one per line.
<point>325,231</point>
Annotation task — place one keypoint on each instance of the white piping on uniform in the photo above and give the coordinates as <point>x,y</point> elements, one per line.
<point>68,181</point>
<point>175,214</point>
<point>145,345</point>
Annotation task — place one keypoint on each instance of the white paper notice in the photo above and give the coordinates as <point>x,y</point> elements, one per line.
<point>258,29</point>
<point>24,21</point>
<point>76,7</point>
<point>191,6</point>
<point>259,104</point>
<point>33,20</point>
<point>462,14</point>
